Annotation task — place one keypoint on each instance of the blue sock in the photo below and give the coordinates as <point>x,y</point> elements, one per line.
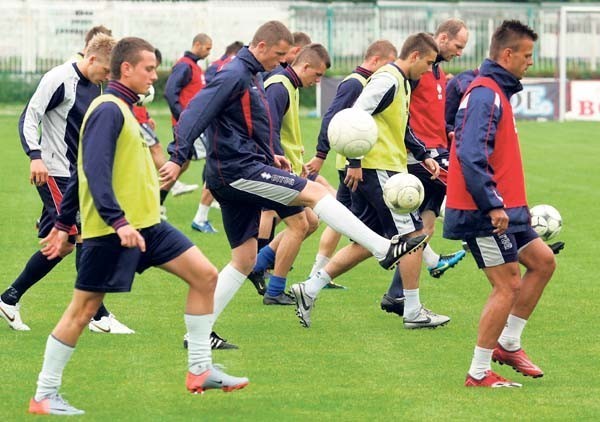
<point>396,289</point>
<point>265,259</point>
<point>276,285</point>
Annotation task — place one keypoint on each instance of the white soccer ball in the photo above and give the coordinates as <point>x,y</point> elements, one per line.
<point>403,193</point>
<point>146,98</point>
<point>352,132</point>
<point>546,221</point>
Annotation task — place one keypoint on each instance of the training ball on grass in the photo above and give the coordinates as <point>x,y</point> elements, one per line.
<point>403,193</point>
<point>352,132</point>
<point>147,98</point>
<point>546,221</point>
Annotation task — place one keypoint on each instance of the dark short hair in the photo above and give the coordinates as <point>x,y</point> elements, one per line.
<point>301,39</point>
<point>451,27</point>
<point>233,48</point>
<point>127,50</point>
<point>313,54</point>
<point>272,33</point>
<point>508,35</point>
<point>381,48</point>
<point>421,42</point>
<point>100,29</point>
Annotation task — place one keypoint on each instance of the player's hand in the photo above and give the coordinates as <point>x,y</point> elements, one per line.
<point>353,177</point>
<point>152,124</point>
<point>499,220</point>
<point>304,173</point>
<point>168,174</point>
<point>433,167</point>
<point>56,244</point>
<point>314,165</point>
<point>282,163</point>
<point>131,238</point>
<point>38,172</point>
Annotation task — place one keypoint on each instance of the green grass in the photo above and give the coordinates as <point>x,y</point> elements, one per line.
<point>355,362</point>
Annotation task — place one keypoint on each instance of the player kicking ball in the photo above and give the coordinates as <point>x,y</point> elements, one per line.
<point>123,233</point>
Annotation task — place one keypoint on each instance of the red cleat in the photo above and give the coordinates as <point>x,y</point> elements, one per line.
<point>518,360</point>
<point>194,382</point>
<point>491,379</point>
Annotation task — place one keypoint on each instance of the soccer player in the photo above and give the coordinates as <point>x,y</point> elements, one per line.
<point>245,175</point>
<point>57,107</point>
<point>123,232</point>
<point>185,81</point>
<point>100,29</point>
<point>487,207</point>
<point>386,96</point>
<point>378,54</point>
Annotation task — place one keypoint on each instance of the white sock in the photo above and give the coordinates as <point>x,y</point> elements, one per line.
<point>199,353</point>
<point>412,304</point>
<point>320,262</point>
<point>201,214</point>
<point>430,258</point>
<point>482,362</point>
<point>341,219</point>
<point>229,282</point>
<point>510,339</point>
<point>313,285</point>
<point>56,357</point>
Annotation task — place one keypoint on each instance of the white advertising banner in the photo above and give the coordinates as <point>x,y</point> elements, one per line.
<point>585,100</point>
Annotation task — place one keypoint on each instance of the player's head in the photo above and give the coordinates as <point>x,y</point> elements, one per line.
<point>233,48</point>
<point>201,45</point>
<point>311,63</point>
<point>133,63</point>
<point>379,53</point>
<point>100,29</point>
<point>271,43</point>
<point>418,54</point>
<point>96,63</point>
<point>451,37</point>
<point>512,47</point>
<point>301,40</point>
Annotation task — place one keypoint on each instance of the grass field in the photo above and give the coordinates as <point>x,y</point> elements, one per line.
<point>356,362</point>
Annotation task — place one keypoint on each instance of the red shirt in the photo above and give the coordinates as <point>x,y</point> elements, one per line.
<point>427,110</point>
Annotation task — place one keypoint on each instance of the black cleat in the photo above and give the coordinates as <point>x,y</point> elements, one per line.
<point>399,248</point>
<point>258,279</point>
<point>557,247</point>
<point>393,305</point>
<point>216,342</point>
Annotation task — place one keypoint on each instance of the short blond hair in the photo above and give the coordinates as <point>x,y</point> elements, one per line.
<point>100,45</point>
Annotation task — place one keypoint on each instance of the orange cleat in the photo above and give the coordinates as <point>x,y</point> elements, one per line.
<point>518,360</point>
<point>491,379</point>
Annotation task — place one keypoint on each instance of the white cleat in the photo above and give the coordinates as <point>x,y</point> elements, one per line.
<point>109,325</point>
<point>426,319</point>
<point>180,188</point>
<point>53,405</point>
<point>12,315</point>
<point>304,303</point>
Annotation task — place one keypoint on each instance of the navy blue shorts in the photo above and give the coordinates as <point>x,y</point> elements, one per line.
<point>435,190</point>
<point>490,251</point>
<point>368,206</point>
<point>242,200</point>
<point>51,194</point>
<point>344,194</point>
<point>106,266</point>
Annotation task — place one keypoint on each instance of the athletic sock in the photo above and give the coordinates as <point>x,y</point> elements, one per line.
<point>229,282</point>
<point>430,258</point>
<point>56,357</point>
<point>36,268</point>
<point>313,285</point>
<point>201,214</point>
<point>412,305</point>
<point>276,285</point>
<point>199,328</point>
<point>102,312</point>
<point>510,339</point>
<point>265,259</point>
<point>341,219</point>
<point>396,288</point>
<point>481,362</point>
<point>320,262</point>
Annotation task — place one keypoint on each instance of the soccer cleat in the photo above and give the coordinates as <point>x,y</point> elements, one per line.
<point>212,379</point>
<point>393,304</point>
<point>490,379</point>
<point>399,248</point>
<point>163,213</point>
<point>109,325</point>
<point>53,405</point>
<point>281,299</point>
<point>557,247</point>
<point>518,360</point>
<point>332,285</point>
<point>216,342</point>
<point>426,319</point>
<point>258,279</point>
<point>12,315</point>
<point>180,188</point>
<point>446,262</point>
<point>204,227</point>
<point>304,303</point>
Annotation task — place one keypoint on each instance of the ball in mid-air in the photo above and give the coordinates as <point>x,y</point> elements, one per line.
<point>403,193</point>
<point>352,132</point>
